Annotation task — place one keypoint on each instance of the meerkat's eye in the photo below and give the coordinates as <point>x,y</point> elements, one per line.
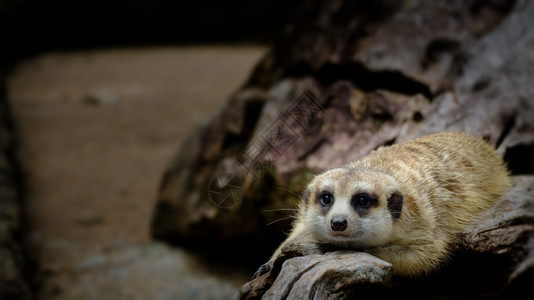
<point>362,200</point>
<point>325,198</point>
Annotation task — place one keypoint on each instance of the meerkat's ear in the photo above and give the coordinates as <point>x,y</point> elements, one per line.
<point>395,201</point>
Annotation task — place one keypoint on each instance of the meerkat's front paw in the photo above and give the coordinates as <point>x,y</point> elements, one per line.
<point>263,269</point>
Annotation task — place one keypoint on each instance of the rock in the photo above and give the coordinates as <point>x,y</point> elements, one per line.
<point>341,81</point>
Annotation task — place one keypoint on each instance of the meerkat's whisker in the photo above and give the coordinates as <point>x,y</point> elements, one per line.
<point>279,220</point>
<point>280,209</point>
<point>290,192</point>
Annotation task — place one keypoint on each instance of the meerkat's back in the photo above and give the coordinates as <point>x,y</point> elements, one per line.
<point>461,174</point>
<point>446,180</point>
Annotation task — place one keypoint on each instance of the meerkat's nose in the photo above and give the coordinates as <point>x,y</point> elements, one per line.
<point>338,224</point>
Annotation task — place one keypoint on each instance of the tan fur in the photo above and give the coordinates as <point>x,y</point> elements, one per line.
<point>446,180</point>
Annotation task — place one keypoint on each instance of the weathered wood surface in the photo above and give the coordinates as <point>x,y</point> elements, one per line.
<point>374,74</point>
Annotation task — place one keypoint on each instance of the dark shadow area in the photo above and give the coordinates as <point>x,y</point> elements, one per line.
<point>361,77</point>
<point>14,263</point>
<point>29,27</point>
<point>520,159</point>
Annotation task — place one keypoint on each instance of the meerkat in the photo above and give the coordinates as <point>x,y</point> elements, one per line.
<point>404,203</point>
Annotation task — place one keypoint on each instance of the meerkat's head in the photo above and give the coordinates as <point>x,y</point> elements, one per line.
<point>357,207</point>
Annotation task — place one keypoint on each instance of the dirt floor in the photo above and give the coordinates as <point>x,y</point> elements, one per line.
<point>96,130</point>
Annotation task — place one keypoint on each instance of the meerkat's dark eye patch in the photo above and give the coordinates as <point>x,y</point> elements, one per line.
<point>362,202</point>
<point>395,205</point>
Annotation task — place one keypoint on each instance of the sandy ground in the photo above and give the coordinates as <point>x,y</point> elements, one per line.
<point>96,131</point>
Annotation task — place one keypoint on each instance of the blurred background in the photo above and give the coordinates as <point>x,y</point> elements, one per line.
<point>101,95</point>
<point>117,116</point>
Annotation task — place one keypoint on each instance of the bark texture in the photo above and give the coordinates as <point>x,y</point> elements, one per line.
<point>345,78</point>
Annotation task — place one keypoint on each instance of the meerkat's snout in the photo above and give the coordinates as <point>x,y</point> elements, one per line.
<point>338,224</point>
<point>338,216</point>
